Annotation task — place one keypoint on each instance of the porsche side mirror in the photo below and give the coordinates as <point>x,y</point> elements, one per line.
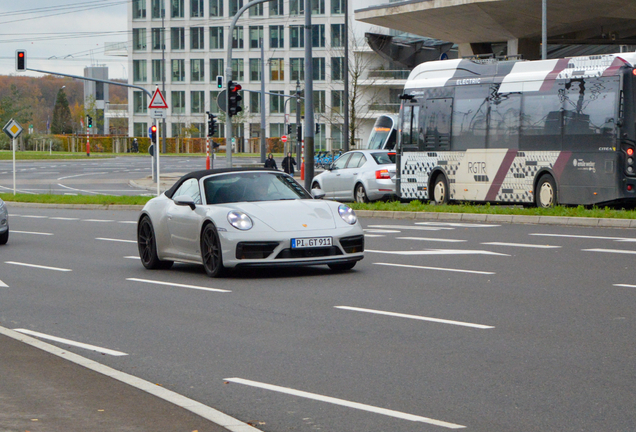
<point>318,193</point>
<point>184,200</point>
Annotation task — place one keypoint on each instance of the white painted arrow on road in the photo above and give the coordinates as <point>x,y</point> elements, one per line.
<point>3,285</point>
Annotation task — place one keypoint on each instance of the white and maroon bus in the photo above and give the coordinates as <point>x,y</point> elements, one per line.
<point>547,132</point>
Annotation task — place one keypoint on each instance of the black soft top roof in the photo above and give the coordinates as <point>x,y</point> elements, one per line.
<point>204,173</point>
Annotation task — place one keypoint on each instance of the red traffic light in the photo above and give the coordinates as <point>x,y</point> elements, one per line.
<point>20,60</point>
<point>154,128</point>
<point>235,88</point>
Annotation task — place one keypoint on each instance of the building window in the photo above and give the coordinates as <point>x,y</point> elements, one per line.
<point>177,38</point>
<point>255,70</point>
<point>337,137</point>
<point>216,68</point>
<point>178,70</point>
<point>157,71</point>
<point>178,102</point>
<point>214,106</point>
<point>177,8</point>
<point>319,101</point>
<point>139,39</point>
<point>276,36</point>
<point>216,8</point>
<point>140,104</point>
<point>140,129</point>
<point>158,8</point>
<point>237,38</point>
<point>297,69</point>
<point>276,103</point>
<point>197,37</point>
<point>277,70</point>
<point>297,36</point>
<point>235,5</point>
<point>140,74</point>
<point>178,129</point>
<point>337,101</point>
<point>197,102</point>
<point>256,34</point>
<point>216,37</point>
<point>318,7</point>
<point>337,35</point>
<point>337,68</point>
<point>197,130</point>
<point>197,70</point>
<point>276,8</point>
<point>196,8</point>
<point>318,66</point>
<point>139,9</point>
<point>158,41</point>
<point>296,7</point>
<point>256,11</point>
<point>276,129</point>
<point>238,71</point>
<point>337,7</point>
<point>318,36</point>
<point>255,103</point>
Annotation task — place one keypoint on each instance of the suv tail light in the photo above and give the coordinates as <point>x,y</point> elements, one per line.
<point>382,174</point>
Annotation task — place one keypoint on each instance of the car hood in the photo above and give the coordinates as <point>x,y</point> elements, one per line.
<point>291,215</point>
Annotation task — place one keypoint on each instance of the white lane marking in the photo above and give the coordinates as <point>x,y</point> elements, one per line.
<point>438,252</point>
<point>457,224</point>
<point>132,257</point>
<point>97,220</point>
<point>71,343</point>
<point>522,245</point>
<point>116,240</point>
<point>345,403</point>
<point>431,239</point>
<point>31,232</point>
<point>178,285</point>
<point>81,175</point>
<point>38,266</point>
<point>3,285</point>
<point>193,406</point>
<point>65,218</point>
<point>127,222</point>
<point>632,252</point>
<point>411,227</point>
<point>79,190</point>
<point>415,317</point>
<point>30,216</point>
<point>380,231</point>
<point>373,235</point>
<point>625,285</point>
<point>436,268</point>
<point>585,237</point>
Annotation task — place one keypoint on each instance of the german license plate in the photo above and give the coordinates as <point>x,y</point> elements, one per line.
<point>311,242</point>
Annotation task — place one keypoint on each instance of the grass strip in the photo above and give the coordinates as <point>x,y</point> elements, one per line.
<point>76,199</point>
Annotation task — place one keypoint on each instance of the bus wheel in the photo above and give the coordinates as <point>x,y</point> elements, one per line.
<point>440,190</point>
<point>545,195</point>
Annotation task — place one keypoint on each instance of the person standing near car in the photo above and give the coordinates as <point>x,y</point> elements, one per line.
<point>288,164</point>
<point>270,162</point>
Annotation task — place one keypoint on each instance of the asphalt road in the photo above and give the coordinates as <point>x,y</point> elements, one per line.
<point>98,176</point>
<point>494,328</point>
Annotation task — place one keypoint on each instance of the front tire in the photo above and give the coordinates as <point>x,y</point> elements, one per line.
<point>360,194</point>
<point>440,190</point>
<point>147,245</point>
<point>339,267</point>
<point>4,238</point>
<point>545,195</point>
<point>211,251</point>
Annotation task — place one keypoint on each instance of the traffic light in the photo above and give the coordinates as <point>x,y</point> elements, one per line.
<point>89,121</point>
<point>219,81</point>
<point>211,124</point>
<point>289,129</point>
<point>233,105</point>
<point>20,60</point>
<point>317,128</point>
<point>153,134</point>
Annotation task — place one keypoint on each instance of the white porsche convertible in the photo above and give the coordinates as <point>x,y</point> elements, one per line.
<point>232,218</point>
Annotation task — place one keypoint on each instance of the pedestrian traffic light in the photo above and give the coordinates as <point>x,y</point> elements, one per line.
<point>234,98</point>
<point>219,81</point>
<point>153,134</point>
<point>20,60</point>
<point>211,124</point>
<point>89,121</point>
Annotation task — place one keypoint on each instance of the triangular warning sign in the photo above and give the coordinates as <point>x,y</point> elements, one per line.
<point>157,101</point>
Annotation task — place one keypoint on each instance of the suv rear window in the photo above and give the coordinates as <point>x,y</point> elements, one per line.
<point>384,158</point>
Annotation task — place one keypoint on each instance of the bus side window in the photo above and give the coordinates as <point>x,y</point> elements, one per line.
<point>437,135</point>
<point>407,135</point>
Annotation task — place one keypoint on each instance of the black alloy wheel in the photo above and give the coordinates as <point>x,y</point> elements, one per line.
<point>211,251</point>
<point>147,245</point>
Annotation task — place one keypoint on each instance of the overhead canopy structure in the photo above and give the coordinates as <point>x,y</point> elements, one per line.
<point>597,22</point>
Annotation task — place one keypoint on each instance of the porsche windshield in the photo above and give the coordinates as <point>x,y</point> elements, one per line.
<point>251,186</point>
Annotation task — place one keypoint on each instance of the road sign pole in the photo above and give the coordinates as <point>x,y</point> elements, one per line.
<point>88,143</point>
<point>13,145</point>
<point>207,153</point>
<point>157,153</point>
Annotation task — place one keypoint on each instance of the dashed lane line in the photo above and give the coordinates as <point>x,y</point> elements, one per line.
<point>38,266</point>
<point>431,239</point>
<point>525,245</point>
<point>625,285</point>
<point>345,403</point>
<point>31,232</point>
<point>172,284</point>
<point>71,343</point>
<point>411,227</point>
<point>438,252</point>
<point>436,268</point>
<point>415,317</point>
<point>618,251</point>
<point>116,240</point>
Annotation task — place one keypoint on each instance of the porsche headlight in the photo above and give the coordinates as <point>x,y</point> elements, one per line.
<point>240,220</point>
<point>347,214</point>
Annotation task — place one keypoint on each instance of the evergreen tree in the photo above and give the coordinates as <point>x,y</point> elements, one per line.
<point>61,123</point>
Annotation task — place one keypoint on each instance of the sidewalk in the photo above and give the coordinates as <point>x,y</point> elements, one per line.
<point>40,391</point>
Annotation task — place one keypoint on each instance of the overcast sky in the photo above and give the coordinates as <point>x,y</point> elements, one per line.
<point>63,35</point>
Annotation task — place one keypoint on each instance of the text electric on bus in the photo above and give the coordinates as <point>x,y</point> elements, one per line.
<point>550,132</point>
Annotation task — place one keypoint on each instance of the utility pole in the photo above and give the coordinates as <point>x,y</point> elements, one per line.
<point>298,127</point>
<point>263,126</point>
<point>164,146</point>
<point>544,30</point>
<point>309,100</point>
<point>345,102</point>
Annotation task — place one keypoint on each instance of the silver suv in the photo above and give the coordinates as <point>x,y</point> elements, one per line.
<point>4,223</point>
